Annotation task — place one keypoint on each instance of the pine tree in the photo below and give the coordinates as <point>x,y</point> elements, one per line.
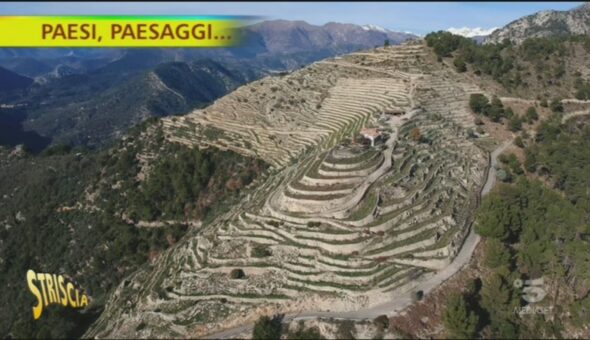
<point>497,254</point>
<point>459,321</point>
<point>267,328</point>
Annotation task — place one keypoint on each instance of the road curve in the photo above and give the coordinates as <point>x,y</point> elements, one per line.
<point>404,300</point>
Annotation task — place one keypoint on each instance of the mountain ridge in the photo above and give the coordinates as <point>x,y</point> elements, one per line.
<point>547,23</point>
<point>10,81</point>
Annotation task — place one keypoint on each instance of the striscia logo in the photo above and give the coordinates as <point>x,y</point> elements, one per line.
<point>52,289</point>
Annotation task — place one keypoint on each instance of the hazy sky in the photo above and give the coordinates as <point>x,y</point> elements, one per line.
<point>416,17</point>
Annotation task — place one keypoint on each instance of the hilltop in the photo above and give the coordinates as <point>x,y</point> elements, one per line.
<point>335,223</point>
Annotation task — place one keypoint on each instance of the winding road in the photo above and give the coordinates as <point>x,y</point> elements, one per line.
<point>404,300</point>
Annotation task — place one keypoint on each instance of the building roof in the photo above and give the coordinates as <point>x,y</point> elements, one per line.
<point>370,132</point>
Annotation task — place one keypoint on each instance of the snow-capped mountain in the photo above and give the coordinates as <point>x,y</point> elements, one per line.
<point>374,28</point>
<point>471,32</point>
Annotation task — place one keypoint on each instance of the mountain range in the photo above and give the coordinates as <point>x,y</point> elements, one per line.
<point>91,96</point>
<point>279,44</point>
<point>545,24</point>
<point>10,81</point>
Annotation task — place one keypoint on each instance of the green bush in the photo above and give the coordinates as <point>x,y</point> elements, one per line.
<point>267,328</point>
<point>237,274</point>
<point>531,114</point>
<point>381,322</point>
<point>556,106</point>
<point>459,321</point>
<point>260,251</point>
<point>478,103</point>
<point>515,124</point>
<point>460,65</point>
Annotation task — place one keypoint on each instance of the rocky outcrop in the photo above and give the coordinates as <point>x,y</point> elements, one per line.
<point>545,24</point>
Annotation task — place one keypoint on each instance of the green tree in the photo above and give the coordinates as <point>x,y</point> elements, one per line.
<point>386,43</point>
<point>531,114</point>
<point>515,124</point>
<point>237,273</point>
<point>478,103</point>
<point>496,110</point>
<point>556,106</point>
<point>460,65</point>
<point>496,254</point>
<point>267,328</point>
<point>509,113</point>
<point>459,321</point>
<point>311,333</point>
<point>499,216</point>
<point>497,296</point>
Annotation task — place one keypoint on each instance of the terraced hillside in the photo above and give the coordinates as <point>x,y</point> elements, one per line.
<point>335,224</point>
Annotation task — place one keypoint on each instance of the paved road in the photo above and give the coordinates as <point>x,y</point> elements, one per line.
<point>404,300</point>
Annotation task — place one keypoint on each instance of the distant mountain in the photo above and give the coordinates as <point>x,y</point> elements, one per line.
<point>92,96</point>
<point>545,24</point>
<point>46,63</point>
<point>471,32</point>
<point>477,34</point>
<point>11,81</point>
<point>285,37</point>
<point>95,109</point>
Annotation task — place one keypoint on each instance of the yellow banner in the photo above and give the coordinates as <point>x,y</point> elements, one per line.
<point>119,31</point>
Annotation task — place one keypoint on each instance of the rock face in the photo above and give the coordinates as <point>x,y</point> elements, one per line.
<point>334,224</point>
<point>545,24</point>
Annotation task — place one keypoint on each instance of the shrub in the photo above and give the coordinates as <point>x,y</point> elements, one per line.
<point>515,124</point>
<point>531,114</point>
<point>460,65</point>
<point>518,142</point>
<point>478,103</point>
<point>260,251</point>
<point>496,110</point>
<point>345,330</point>
<point>311,333</point>
<point>416,135</point>
<point>459,321</point>
<point>267,329</point>
<point>381,322</point>
<point>496,254</point>
<point>556,106</point>
<point>237,274</point>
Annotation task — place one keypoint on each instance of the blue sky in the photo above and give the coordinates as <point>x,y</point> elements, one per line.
<point>416,17</point>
